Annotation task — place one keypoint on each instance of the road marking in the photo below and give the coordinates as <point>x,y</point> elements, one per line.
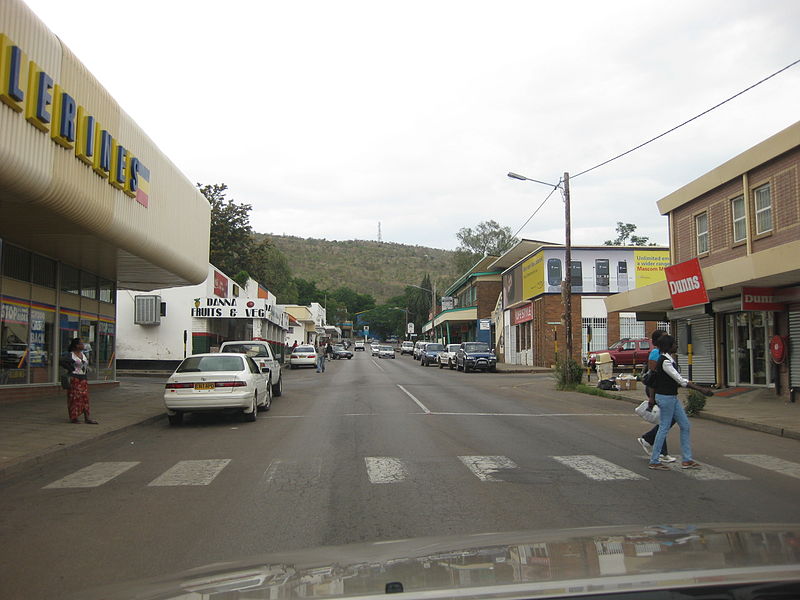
<point>597,468</point>
<point>385,470</point>
<point>410,395</point>
<point>485,467</point>
<point>376,364</point>
<point>708,472</point>
<point>293,472</point>
<point>771,463</point>
<point>476,414</point>
<point>92,476</point>
<point>191,472</point>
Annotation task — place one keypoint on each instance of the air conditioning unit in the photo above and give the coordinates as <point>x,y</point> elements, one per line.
<point>147,310</point>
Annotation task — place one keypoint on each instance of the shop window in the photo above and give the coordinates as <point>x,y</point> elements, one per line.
<point>44,271</point>
<point>16,263</point>
<point>70,280</point>
<point>701,229</point>
<point>107,291</point>
<point>105,350</point>
<point>89,338</point>
<point>739,219</point>
<point>42,344</point>
<point>14,355</point>
<point>763,202</point>
<point>69,326</point>
<point>88,285</point>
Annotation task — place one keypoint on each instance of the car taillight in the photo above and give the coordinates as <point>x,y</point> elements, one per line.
<point>311,356</point>
<point>295,356</point>
<point>230,384</point>
<point>178,386</point>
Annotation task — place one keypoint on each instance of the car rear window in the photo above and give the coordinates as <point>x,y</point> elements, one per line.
<point>248,349</point>
<point>304,349</point>
<point>198,364</point>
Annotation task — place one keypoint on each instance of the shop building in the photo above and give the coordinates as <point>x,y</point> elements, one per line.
<point>533,307</point>
<point>159,329</point>
<point>88,206</point>
<point>735,229</point>
<point>311,321</point>
<point>466,307</point>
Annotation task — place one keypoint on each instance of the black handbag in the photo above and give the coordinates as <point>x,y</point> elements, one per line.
<point>65,381</point>
<point>649,378</point>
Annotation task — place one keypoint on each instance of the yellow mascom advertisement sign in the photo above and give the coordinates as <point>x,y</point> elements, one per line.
<point>650,266</point>
<point>533,276</point>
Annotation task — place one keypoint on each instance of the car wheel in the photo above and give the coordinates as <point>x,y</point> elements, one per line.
<point>175,419</point>
<point>449,365</point>
<point>253,414</point>
<point>292,366</point>
<point>277,389</point>
<point>465,368</point>
<point>492,369</point>
<point>349,358</point>
<point>268,401</point>
<point>441,366</point>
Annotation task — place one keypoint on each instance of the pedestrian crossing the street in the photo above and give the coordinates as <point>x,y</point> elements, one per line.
<point>384,470</point>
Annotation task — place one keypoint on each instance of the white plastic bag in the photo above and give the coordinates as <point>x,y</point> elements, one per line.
<point>651,416</point>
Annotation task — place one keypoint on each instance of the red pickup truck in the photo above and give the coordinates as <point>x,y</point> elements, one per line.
<point>626,352</point>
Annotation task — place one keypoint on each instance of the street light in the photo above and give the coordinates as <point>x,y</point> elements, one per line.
<point>433,302</point>
<point>405,310</point>
<point>566,284</point>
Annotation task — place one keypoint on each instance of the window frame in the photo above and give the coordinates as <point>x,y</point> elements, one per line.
<point>698,234</point>
<point>735,220</point>
<point>757,211</point>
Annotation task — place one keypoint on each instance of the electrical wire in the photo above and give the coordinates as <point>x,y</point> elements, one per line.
<point>555,187</point>
<point>705,112</point>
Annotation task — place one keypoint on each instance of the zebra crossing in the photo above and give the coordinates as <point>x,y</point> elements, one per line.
<point>385,470</point>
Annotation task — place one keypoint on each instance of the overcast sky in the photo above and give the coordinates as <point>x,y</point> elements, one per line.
<point>331,116</point>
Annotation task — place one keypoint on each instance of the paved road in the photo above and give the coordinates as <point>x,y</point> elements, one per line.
<point>370,450</point>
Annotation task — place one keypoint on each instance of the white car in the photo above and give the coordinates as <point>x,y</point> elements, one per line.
<point>376,349</point>
<point>261,352</point>
<point>418,347</point>
<point>447,357</point>
<point>303,356</point>
<point>385,352</point>
<point>211,382</point>
<point>407,348</point>
<point>358,346</point>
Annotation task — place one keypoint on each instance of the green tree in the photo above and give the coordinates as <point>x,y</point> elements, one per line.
<point>627,237</point>
<point>231,235</point>
<point>384,321</point>
<point>271,269</point>
<point>307,291</point>
<point>488,238</point>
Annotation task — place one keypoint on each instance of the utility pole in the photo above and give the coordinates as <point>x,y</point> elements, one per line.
<point>567,288</point>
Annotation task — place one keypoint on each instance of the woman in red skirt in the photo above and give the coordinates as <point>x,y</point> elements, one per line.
<point>76,364</point>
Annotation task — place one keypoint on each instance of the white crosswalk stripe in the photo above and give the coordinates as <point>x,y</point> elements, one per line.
<point>385,470</point>
<point>708,472</point>
<point>485,467</point>
<point>597,468</point>
<point>191,472</point>
<point>771,463</point>
<point>92,476</point>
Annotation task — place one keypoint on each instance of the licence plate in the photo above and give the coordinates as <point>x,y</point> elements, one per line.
<point>204,386</point>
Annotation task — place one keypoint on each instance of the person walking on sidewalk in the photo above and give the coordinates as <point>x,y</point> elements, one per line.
<point>648,439</point>
<point>320,358</point>
<point>666,396</point>
<point>77,365</point>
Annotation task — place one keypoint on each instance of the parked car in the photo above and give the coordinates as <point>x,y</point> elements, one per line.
<point>418,349</point>
<point>261,352</point>
<point>385,352</point>
<point>430,354</point>
<point>375,349</point>
<point>218,381</point>
<point>303,356</point>
<point>627,352</point>
<point>447,357</point>
<point>407,348</point>
<point>342,352</point>
<point>475,355</point>
<point>358,346</point>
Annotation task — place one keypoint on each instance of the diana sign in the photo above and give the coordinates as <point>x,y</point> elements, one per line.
<point>231,308</point>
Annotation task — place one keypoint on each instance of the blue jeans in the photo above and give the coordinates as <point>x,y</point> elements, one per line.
<point>670,409</point>
<point>320,362</point>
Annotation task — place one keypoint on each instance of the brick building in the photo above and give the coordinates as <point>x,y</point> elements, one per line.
<point>742,222</point>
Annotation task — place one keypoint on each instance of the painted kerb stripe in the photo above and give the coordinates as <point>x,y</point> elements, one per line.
<point>92,476</point>
<point>191,472</point>
<point>597,468</point>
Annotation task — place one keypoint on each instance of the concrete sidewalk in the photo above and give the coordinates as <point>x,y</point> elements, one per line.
<point>752,408</point>
<point>34,429</point>
<point>506,368</point>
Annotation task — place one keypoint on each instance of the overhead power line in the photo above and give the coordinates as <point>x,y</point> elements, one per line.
<point>555,187</point>
<point>705,112</point>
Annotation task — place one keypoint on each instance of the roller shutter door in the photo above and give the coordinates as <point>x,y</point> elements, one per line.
<point>703,363</point>
<point>794,349</point>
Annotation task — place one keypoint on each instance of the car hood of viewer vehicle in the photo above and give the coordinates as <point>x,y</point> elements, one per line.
<point>557,563</point>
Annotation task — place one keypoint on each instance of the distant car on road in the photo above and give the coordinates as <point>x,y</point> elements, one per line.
<point>386,352</point>
<point>217,381</point>
<point>261,352</point>
<point>626,352</point>
<point>475,355</point>
<point>303,356</point>
<point>430,354</point>
<point>342,352</point>
<point>375,349</point>
<point>418,349</point>
<point>447,358</point>
<point>358,346</point>
<point>407,348</point>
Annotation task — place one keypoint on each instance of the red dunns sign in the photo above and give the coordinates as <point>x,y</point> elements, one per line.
<point>522,314</point>
<point>758,298</point>
<point>686,287</point>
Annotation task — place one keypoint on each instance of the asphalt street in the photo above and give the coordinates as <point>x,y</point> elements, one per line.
<point>371,450</point>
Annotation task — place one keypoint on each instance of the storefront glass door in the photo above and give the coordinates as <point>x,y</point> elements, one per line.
<point>746,342</point>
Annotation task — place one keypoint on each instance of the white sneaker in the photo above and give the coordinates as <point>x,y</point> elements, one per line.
<point>667,458</point>
<point>648,449</point>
